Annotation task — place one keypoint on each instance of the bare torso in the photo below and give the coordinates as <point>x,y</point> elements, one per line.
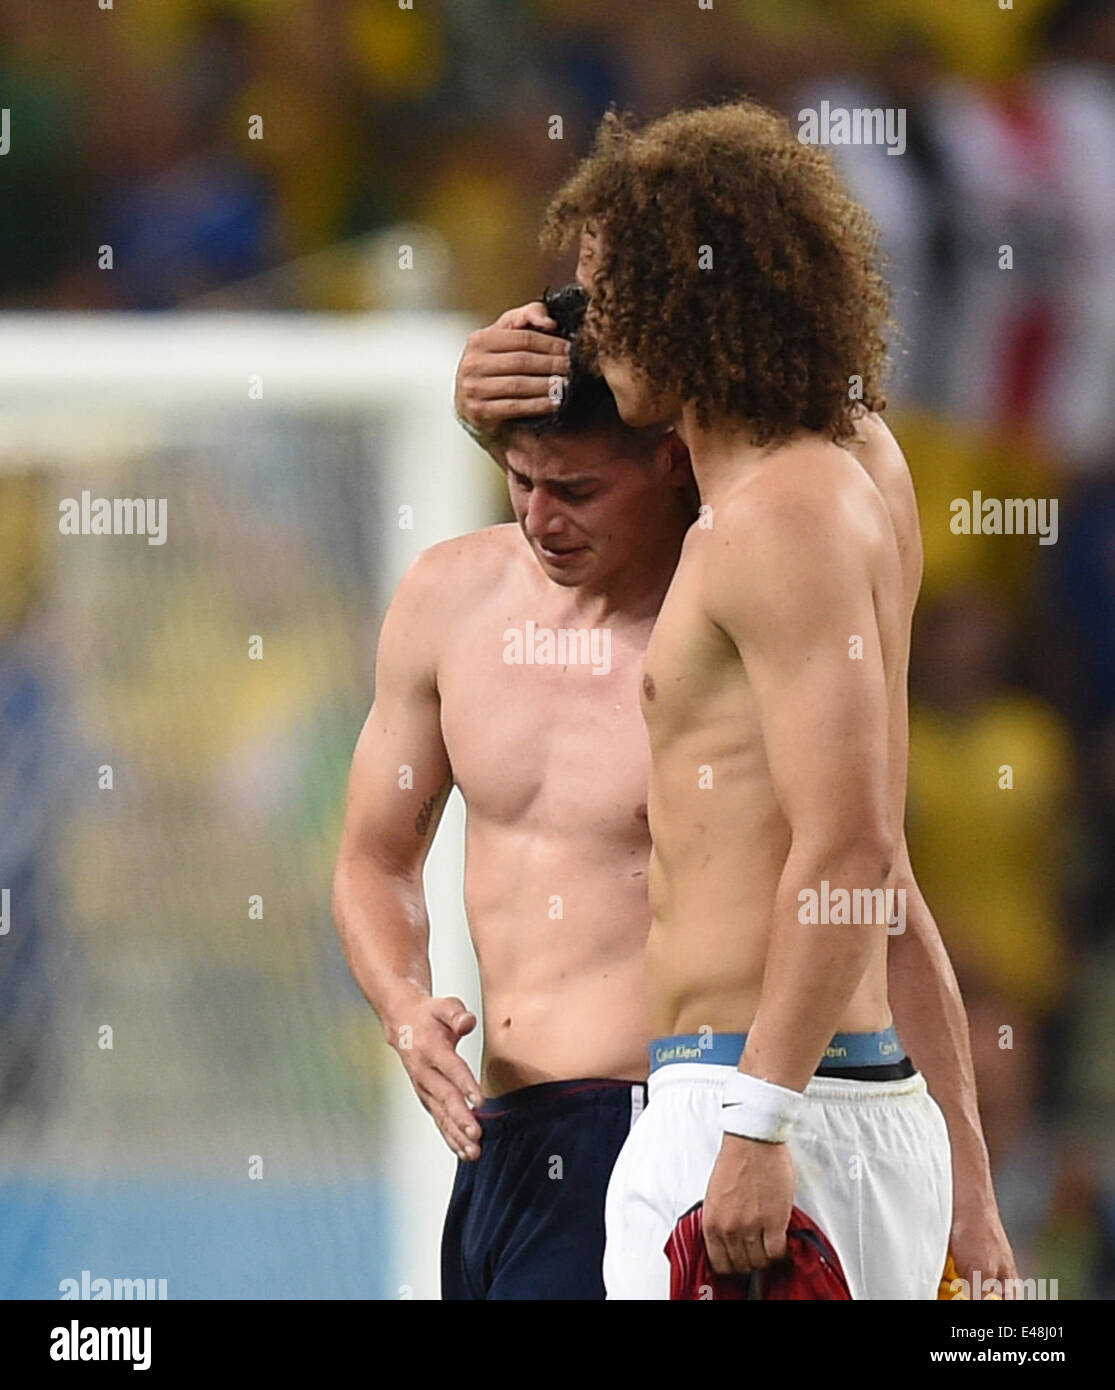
<point>552,762</point>
<point>720,838</point>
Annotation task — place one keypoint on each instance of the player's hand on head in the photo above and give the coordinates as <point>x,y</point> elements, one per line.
<point>507,369</point>
<point>426,1040</point>
<point>532,315</point>
<point>747,1205</point>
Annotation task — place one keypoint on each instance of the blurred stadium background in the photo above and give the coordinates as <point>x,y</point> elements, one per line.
<point>430,127</point>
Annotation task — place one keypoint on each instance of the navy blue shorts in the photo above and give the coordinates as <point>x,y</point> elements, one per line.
<point>526,1220</point>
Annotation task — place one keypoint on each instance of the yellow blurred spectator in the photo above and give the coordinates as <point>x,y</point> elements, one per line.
<point>989,797</point>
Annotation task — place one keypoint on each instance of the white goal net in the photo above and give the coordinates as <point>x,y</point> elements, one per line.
<point>192,1087</point>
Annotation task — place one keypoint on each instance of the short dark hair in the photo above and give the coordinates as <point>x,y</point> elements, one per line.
<point>587,404</point>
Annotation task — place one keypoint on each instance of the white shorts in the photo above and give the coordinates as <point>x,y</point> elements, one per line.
<point>873,1171</point>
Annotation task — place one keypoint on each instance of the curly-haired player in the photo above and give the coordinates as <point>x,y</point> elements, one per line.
<point>735,294</point>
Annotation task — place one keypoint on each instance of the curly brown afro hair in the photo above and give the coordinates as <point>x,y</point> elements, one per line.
<point>789,316</point>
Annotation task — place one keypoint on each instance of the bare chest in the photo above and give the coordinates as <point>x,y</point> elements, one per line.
<point>542,724</point>
<point>693,679</point>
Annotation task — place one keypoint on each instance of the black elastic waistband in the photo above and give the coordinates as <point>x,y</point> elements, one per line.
<point>878,1071</point>
<point>548,1094</point>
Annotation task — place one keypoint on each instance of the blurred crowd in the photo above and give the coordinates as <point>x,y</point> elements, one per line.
<point>131,129</point>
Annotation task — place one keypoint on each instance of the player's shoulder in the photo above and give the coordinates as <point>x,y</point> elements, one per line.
<point>440,587</point>
<point>455,569</point>
<point>799,486</point>
<point>880,455</point>
<point>806,513</point>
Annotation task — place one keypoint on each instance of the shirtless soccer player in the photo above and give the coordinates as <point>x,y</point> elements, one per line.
<point>734,294</point>
<point>509,664</point>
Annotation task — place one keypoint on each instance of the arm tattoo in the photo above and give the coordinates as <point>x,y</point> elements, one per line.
<point>426,812</point>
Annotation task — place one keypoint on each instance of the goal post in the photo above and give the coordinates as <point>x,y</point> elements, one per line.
<point>85,390</point>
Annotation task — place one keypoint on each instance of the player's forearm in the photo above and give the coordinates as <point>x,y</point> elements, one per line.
<point>813,967</point>
<point>492,443</point>
<point>929,1015</point>
<point>384,930</point>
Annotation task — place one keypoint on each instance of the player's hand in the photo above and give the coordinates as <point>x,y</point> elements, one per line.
<point>978,1241</point>
<point>425,1034</point>
<point>511,368</point>
<point>747,1206</point>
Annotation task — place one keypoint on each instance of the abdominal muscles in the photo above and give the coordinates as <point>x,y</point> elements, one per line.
<point>718,860</point>
<point>713,878</point>
<point>559,920</point>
